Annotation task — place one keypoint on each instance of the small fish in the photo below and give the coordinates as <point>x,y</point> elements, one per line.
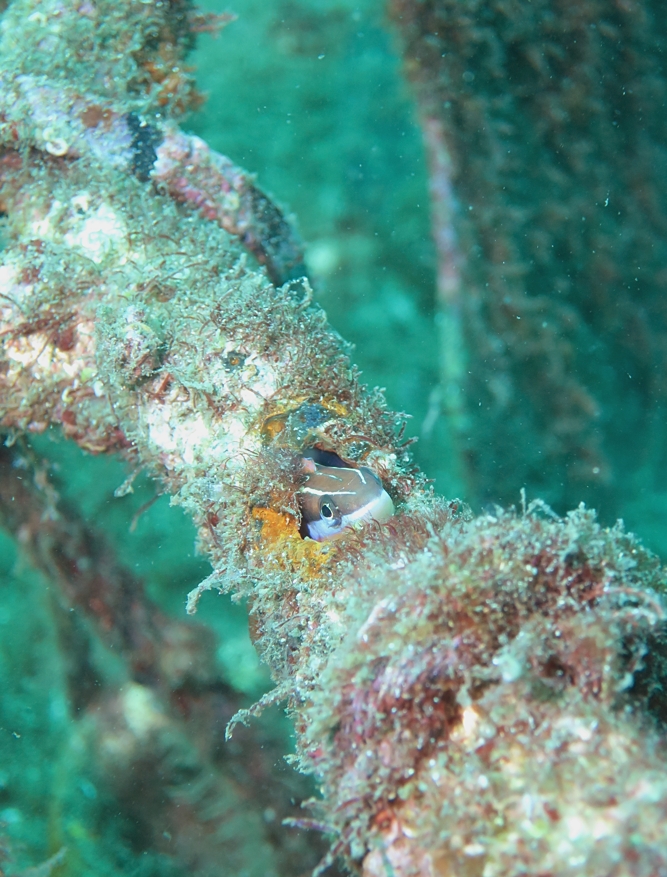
<point>334,498</point>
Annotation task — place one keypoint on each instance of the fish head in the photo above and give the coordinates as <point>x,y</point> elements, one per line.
<point>333,498</point>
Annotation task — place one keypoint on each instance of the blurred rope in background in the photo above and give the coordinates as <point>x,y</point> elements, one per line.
<point>538,362</point>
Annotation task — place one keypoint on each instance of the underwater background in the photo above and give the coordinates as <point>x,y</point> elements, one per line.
<point>313,98</point>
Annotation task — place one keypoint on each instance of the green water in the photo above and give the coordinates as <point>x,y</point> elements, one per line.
<point>322,114</point>
<point>309,96</point>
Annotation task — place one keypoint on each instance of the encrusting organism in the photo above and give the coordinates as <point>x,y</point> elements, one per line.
<point>475,696</point>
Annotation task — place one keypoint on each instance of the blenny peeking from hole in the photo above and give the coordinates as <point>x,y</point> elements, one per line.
<point>335,496</point>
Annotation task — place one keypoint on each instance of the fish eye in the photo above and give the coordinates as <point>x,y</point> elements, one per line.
<point>329,511</point>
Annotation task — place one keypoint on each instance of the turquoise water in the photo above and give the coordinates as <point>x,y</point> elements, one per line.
<point>322,114</point>
<point>310,97</point>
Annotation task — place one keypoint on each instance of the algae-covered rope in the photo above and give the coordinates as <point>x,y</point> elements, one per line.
<point>455,682</point>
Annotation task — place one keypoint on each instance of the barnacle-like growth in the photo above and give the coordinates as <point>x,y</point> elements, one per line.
<point>462,688</point>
